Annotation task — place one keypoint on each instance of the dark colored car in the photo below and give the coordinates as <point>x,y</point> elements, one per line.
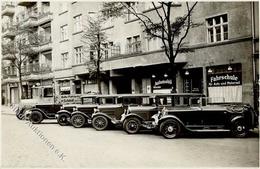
<point>111,113</point>
<point>237,119</point>
<point>77,114</point>
<point>40,112</point>
<point>146,116</point>
<point>82,113</point>
<point>190,112</point>
<point>41,95</point>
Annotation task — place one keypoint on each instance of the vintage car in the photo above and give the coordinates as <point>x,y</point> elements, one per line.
<point>111,113</point>
<point>137,117</point>
<point>40,112</point>
<point>41,95</point>
<point>82,113</point>
<point>179,113</point>
<point>77,114</point>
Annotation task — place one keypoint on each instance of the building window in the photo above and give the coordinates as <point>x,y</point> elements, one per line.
<point>77,23</point>
<point>133,44</point>
<point>64,32</point>
<point>64,87</point>
<point>78,55</point>
<point>217,28</point>
<point>65,60</point>
<point>63,7</point>
<point>129,15</point>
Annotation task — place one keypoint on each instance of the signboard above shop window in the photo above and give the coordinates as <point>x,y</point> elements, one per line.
<point>225,79</point>
<point>225,75</point>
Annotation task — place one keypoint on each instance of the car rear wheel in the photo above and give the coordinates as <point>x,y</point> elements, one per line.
<point>132,125</point>
<point>100,123</point>
<point>63,119</point>
<point>78,120</point>
<point>36,117</point>
<point>239,129</point>
<point>170,128</point>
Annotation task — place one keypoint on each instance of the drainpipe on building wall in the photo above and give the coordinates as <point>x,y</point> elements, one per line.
<point>253,54</point>
<point>253,36</point>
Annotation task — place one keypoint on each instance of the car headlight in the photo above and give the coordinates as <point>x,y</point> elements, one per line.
<point>96,110</point>
<point>27,112</point>
<point>74,108</point>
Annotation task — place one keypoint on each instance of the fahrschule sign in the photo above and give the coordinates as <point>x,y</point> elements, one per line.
<point>225,79</point>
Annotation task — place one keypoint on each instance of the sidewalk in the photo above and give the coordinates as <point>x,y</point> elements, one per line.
<point>8,110</point>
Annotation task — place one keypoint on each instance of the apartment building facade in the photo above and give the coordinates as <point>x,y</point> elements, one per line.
<point>37,68</point>
<point>223,64</point>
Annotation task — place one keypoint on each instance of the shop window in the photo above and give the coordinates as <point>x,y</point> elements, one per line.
<point>77,87</point>
<point>48,92</point>
<point>64,87</point>
<point>225,85</point>
<point>217,28</point>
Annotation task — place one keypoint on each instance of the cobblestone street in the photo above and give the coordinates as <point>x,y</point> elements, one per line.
<point>85,147</point>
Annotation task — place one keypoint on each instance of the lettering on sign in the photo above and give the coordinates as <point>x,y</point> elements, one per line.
<point>224,79</point>
<point>162,84</point>
<point>69,99</point>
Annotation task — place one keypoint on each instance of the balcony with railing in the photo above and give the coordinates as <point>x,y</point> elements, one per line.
<point>8,9</point>
<point>29,20</point>
<point>112,51</point>
<point>9,72</point>
<point>134,48</point>
<point>8,31</point>
<point>44,17</point>
<point>26,3</point>
<point>35,68</point>
<point>45,43</point>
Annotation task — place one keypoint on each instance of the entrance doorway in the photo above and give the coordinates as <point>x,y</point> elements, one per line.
<point>123,85</point>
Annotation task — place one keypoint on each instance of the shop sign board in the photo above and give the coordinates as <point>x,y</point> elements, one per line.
<point>225,79</point>
<point>162,84</point>
<point>69,99</point>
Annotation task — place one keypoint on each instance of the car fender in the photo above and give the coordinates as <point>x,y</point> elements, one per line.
<point>101,114</point>
<point>237,118</point>
<point>132,115</point>
<point>79,112</point>
<point>171,117</point>
<point>37,109</point>
<point>64,111</point>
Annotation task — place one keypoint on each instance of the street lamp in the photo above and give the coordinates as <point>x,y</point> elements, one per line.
<point>165,75</point>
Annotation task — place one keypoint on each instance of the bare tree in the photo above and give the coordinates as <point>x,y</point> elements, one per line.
<point>94,39</point>
<point>163,24</point>
<point>20,49</point>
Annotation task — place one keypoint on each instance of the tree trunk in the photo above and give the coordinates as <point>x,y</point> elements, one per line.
<point>173,78</point>
<point>98,77</point>
<point>21,96</point>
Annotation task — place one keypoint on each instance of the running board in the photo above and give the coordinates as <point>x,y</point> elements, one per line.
<point>211,130</point>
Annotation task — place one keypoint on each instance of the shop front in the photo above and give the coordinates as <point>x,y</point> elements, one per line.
<point>225,83</point>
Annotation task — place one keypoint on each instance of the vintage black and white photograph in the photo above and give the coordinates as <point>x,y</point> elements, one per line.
<point>129,84</point>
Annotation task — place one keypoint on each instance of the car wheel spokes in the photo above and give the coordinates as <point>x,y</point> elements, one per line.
<point>132,125</point>
<point>100,122</point>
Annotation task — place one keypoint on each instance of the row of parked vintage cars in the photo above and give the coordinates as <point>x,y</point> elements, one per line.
<point>170,114</point>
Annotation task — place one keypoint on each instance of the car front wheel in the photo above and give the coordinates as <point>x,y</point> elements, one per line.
<point>36,117</point>
<point>170,128</point>
<point>132,125</point>
<point>100,123</point>
<point>239,129</point>
<point>78,120</point>
<point>63,119</point>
